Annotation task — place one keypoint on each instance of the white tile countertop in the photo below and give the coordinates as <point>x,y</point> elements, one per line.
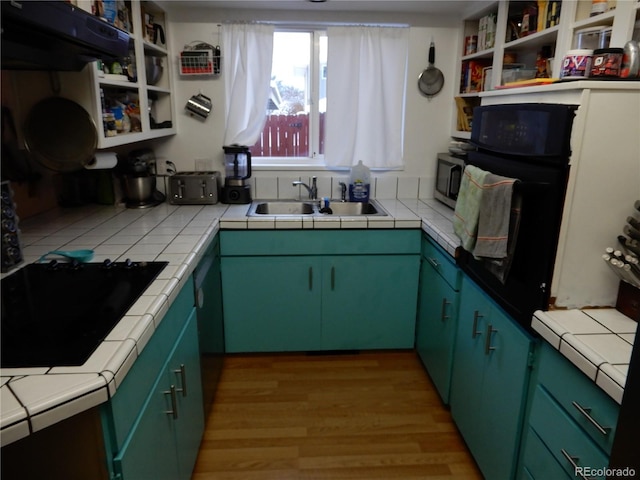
<point>34,398</point>
<point>598,341</point>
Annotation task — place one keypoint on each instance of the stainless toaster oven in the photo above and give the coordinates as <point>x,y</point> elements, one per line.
<point>194,188</point>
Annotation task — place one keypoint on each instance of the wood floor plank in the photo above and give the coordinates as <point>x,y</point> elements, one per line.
<point>374,415</point>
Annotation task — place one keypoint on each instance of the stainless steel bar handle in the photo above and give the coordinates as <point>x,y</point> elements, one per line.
<point>586,412</point>
<point>574,463</point>
<point>183,379</point>
<point>434,263</point>
<point>487,341</point>
<point>174,402</point>
<point>333,278</point>
<point>310,278</point>
<point>475,332</point>
<point>443,314</point>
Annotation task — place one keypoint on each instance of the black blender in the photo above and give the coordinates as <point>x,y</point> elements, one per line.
<point>237,165</point>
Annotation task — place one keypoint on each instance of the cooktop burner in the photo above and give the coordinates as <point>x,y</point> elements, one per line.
<point>57,314</point>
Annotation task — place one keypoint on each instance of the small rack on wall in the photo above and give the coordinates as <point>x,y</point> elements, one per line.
<point>199,58</point>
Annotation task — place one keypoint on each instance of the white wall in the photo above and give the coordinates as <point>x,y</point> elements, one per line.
<point>427,123</point>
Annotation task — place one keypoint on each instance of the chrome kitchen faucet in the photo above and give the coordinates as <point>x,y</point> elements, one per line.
<point>313,189</point>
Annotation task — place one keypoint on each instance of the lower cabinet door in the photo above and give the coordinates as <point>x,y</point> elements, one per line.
<point>272,303</point>
<point>165,440</point>
<point>369,301</point>
<point>436,327</point>
<point>504,392</point>
<point>149,453</point>
<point>489,382</point>
<point>184,373</point>
<point>469,365</point>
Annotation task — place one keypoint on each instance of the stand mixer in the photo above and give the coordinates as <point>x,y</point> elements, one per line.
<point>237,165</point>
<point>139,180</point>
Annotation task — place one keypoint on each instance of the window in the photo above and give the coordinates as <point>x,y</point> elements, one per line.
<point>294,128</point>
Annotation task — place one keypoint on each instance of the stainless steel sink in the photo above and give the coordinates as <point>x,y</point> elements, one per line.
<point>353,208</point>
<point>275,207</point>
<point>292,207</point>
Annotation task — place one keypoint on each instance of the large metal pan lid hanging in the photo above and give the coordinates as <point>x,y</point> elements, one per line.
<point>431,80</point>
<point>60,134</point>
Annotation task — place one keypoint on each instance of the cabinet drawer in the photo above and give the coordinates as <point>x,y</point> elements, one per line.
<point>563,437</point>
<point>538,462</point>
<point>315,242</point>
<point>441,262</point>
<point>574,390</point>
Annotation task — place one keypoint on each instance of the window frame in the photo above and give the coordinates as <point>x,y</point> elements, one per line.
<point>315,160</point>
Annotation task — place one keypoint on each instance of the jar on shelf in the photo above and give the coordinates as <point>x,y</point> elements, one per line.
<point>598,7</point>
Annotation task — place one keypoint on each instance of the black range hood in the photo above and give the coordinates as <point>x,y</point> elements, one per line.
<point>55,35</point>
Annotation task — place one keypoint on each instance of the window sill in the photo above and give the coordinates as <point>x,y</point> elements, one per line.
<point>275,165</point>
<point>307,166</point>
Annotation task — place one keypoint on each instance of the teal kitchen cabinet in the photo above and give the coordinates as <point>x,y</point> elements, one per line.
<point>572,422</point>
<point>369,301</point>
<point>271,304</point>
<point>172,422</point>
<point>158,406</point>
<point>319,290</point>
<point>437,314</point>
<point>491,371</point>
<point>208,299</point>
<point>537,462</point>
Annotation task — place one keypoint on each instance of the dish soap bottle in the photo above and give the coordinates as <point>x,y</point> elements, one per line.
<point>359,183</point>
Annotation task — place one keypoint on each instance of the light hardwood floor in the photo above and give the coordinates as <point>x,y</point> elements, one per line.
<point>362,416</point>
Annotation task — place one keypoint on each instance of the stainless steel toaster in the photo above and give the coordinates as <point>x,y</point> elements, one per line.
<point>194,188</point>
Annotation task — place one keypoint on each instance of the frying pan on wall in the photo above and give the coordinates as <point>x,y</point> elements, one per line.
<point>431,79</point>
<point>60,135</point>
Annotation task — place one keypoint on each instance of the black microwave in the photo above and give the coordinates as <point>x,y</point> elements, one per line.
<point>448,177</point>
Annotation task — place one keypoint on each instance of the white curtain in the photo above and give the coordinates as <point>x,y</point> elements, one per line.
<point>366,82</point>
<point>247,51</point>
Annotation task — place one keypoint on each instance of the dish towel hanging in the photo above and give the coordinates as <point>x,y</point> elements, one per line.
<point>498,224</point>
<point>466,215</point>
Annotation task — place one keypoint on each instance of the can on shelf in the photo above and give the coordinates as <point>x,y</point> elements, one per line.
<point>576,64</point>
<point>607,62</point>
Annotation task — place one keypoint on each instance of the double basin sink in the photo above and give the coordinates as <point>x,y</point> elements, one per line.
<point>311,207</point>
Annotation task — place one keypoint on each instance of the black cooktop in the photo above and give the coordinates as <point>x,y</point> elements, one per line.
<point>57,314</point>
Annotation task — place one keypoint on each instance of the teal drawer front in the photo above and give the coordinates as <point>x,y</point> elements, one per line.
<point>563,438</point>
<point>539,463</point>
<point>441,262</point>
<point>572,389</point>
<point>125,405</point>
<point>301,242</point>
<point>525,475</point>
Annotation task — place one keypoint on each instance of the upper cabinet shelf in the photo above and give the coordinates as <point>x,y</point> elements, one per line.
<point>131,100</point>
<point>525,34</point>
<point>548,36</point>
